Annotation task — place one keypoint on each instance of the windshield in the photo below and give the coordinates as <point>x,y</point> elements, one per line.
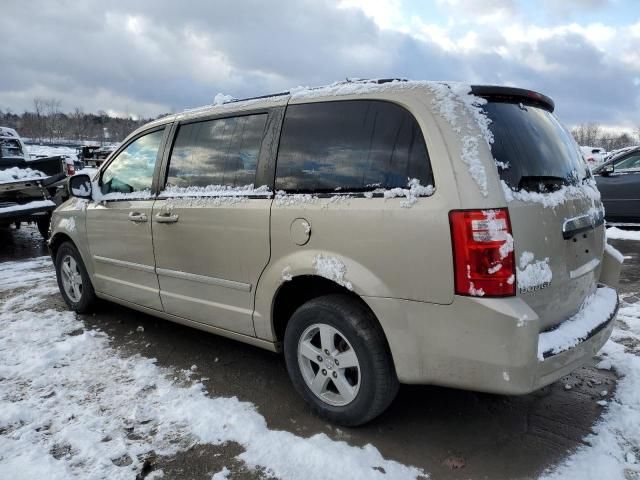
<point>10,148</point>
<point>534,152</point>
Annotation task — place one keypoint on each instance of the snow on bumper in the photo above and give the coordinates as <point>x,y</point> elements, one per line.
<point>487,344</point>
<point>595,314</point>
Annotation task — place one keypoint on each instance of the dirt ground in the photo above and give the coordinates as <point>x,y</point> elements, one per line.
<point>452,434</point>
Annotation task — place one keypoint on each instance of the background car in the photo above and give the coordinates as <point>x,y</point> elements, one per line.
<point>593,155</point>
<point>619,183</point>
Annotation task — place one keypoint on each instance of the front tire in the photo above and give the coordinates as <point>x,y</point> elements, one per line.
<point>73,280</point>
<point>339,361</point>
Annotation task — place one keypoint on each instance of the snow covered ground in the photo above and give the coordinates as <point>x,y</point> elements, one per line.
<point>72,405</point>
<point>616,233</point>
<point>50,150</point>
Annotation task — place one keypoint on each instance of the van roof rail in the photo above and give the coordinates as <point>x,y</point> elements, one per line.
<point>379,81</point>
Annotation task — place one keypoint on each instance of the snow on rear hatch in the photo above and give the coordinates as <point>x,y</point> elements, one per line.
<point>553,206</point>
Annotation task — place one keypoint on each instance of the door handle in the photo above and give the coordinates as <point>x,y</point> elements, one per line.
<point>166,218</point>
<point>137,217</point>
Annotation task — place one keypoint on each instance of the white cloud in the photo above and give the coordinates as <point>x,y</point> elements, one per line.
<point>149,57</point>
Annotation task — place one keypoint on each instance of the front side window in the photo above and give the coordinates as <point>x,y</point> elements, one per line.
<point>631,163</point>
<point>132,170</point>
<point>353,145</point>
<point>217,152</point>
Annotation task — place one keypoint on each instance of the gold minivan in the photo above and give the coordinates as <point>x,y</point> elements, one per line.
<point>377,232</point>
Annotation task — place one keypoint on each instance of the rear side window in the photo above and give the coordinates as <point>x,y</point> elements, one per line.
<point>534,151</point>
<point>217,152</point>
<point>353,145</point>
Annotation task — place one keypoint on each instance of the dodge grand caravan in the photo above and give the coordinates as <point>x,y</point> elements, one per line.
<point>375,232</point>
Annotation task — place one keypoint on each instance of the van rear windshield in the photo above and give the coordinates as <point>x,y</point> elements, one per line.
<point>533,150</point>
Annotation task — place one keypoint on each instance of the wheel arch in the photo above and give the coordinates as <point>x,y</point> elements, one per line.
<point>299,290</point>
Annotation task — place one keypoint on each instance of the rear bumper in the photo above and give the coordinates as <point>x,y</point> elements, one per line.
<point>480,344</point>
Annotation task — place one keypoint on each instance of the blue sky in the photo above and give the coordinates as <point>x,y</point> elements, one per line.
<point>153,56</point>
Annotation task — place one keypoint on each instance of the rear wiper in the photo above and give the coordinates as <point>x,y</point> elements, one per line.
<point>542,183</point>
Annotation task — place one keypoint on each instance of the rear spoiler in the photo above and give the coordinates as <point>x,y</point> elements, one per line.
<point>512,94</point>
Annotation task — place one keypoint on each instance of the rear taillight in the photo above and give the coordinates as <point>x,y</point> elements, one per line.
<point>483,252</point>
<point>70,169</point>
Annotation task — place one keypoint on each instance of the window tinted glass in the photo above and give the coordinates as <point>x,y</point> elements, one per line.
<point>539,152</point>
<point>10,148</point>
<point>132,170</point>
<point>629,163</point>
<point>351,146</point>
<point>217,152</point>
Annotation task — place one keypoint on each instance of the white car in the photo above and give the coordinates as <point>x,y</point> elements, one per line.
<point>593,155</point>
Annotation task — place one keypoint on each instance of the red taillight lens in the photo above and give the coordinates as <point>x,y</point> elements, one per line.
<point>70,169</point>
<point>483,252</point>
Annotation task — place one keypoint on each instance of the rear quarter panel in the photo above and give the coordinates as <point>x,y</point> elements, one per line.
<point>387,250</point>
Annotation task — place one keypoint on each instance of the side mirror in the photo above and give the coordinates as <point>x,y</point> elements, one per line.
<point>608,170</point>
<point>80,186</point>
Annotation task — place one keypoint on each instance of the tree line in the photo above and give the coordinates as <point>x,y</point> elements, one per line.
<point>593,135</point>
<point>47,123</point>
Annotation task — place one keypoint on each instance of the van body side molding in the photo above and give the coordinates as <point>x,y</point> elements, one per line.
<point>122,263</point>
<point>245,287</point>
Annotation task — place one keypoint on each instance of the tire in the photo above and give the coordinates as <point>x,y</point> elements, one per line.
<point>350,328</point>
<point>43,226</point>
<point>82,299</point>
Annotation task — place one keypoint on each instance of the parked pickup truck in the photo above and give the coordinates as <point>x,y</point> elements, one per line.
<point>30,189</point>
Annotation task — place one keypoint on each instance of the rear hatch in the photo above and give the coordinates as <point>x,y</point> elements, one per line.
<point>555,211</point>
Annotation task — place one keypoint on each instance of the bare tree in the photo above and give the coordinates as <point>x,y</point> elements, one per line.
<point>53,112</point>
<point>39,120</point>
<point>78,124</point>
<point>587,134</point>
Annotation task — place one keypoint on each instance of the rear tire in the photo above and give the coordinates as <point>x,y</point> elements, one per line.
<point>339,361</point>
<point>73,280</point>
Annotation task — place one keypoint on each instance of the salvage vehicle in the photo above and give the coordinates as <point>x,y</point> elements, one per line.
<point>30,189</point>
<point>92,155</point>
<point>619,183</point>
<point>376,232</point>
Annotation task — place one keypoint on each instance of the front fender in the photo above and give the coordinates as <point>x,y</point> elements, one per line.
<point>69,220</point>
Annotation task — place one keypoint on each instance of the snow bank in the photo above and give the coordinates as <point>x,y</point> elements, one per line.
<point>16,174</point>
<point>73,406</point>
<point>28,206</point>
<point>611,451</point>
<point>595,310</point>
<point>615,233</point>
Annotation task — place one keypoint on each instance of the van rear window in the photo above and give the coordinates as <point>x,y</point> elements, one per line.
<point>351,145</point>
<point>533,150</point>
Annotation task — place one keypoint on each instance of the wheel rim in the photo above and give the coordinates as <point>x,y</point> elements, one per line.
<point>329,364</point>
<point>71,278</point>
